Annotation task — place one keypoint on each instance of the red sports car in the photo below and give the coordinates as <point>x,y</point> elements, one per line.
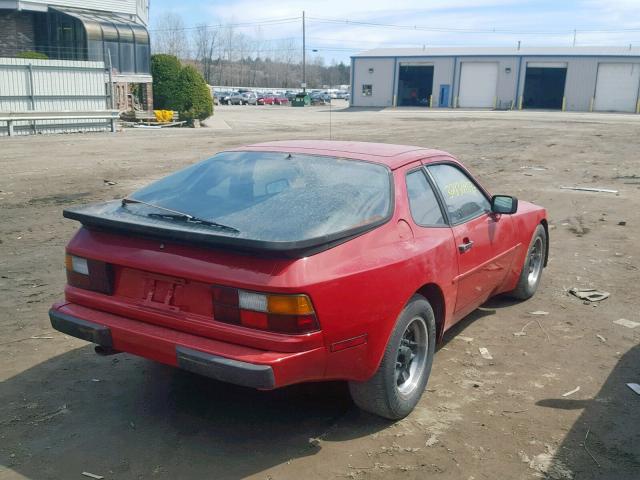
<point>299,261</point>
<point>265,99</point>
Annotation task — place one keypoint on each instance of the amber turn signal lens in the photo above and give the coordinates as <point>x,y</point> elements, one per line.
<point>68,262</point>
<point>89,274</point>
<point>289,304</point>
<point>292,314</point>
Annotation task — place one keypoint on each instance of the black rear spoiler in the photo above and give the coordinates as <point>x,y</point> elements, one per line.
<point>108,216</point>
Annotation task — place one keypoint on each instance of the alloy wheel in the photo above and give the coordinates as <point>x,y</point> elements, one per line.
<point>411,359</point>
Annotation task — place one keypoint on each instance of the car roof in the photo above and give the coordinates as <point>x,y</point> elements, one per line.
<point>393,156</point>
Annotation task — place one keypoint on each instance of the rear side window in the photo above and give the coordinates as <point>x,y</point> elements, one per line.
<point>464,201</point>
<point>424,206</point>
<point>271,196</point>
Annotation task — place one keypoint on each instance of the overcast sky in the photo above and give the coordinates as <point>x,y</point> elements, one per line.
<point>461,22</point>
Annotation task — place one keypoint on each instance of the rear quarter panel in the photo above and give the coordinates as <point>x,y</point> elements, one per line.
<point>525,221</point>
<point>362,286</point>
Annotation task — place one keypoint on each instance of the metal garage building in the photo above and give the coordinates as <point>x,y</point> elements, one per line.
<point>603,79</point>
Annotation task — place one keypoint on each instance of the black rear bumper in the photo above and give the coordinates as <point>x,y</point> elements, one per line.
<point>76,327</point>
<point>225,369</point>
<point>212,366</point>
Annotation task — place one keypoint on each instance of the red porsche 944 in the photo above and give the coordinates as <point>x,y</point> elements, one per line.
<point>288,262</point>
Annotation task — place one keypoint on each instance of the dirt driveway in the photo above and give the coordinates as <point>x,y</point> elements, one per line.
<point>64,410</point>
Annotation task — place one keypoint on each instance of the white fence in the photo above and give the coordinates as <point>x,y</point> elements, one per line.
<point>54,86</point>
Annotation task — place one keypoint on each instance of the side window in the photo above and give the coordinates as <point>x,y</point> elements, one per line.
<point>463,199</point>
<point>424,206</point>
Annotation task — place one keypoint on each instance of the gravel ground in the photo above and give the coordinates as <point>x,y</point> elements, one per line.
<point>64,410</point>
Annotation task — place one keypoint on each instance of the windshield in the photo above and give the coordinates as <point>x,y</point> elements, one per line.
<point>275,196</point>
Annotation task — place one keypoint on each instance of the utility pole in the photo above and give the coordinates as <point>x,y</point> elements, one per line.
<point>304,57</point>
<point>574,37</point>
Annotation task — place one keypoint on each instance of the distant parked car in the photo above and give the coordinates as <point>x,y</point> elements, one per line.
<point>251,98</point>
<point>265,99</point>
<point>235,98</point>
<point>320,98</point>
<point>244,98</point>
<point>221,97</point>
<point>280,100</point>
<point>225,98</point>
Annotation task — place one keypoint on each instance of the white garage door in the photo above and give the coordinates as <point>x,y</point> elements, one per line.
<point>617,87</point>
<point>478,83</point>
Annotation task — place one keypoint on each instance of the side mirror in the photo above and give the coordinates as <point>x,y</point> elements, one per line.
<point>504,204</point>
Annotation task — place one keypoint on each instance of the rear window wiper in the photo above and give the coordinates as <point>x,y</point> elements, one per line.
<point>191,219</point>
<point>176,215</point>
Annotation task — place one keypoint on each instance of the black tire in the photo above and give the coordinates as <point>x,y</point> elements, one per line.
<point>533,266</point>
<point>382,394</point>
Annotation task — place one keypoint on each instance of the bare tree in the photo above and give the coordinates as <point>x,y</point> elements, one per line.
<point>288,55</point>
<point>226,56</point>
<point>205,41</point>
<point>257,49</point>
<point>170,35</point>
<point>241,45</point>
<point>229,57</point>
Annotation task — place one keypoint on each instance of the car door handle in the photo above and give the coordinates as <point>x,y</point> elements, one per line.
<point>466,246</point>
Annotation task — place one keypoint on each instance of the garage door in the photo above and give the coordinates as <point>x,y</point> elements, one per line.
<point>478,83</point>
<point>617,87</point>
<point>544,86</point>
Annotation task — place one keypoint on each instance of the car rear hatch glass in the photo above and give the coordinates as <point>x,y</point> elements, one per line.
<point>274,197</point>
<point>289,204</point>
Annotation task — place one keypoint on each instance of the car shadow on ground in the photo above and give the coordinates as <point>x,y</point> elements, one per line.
<point>612,420</point>
<point>126,417</point>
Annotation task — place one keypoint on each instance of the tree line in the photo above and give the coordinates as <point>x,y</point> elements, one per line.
<point>228,57</point>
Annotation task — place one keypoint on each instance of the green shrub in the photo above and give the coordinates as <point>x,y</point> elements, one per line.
<point>180,88</point>
<point>165,70</point>
<point>194,95</point>
<point>32,55</point>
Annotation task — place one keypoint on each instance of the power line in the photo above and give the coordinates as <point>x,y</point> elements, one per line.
<point>424,28</point>
<point>374,42</point>
<point>468,30</point>
<point>268,22</point>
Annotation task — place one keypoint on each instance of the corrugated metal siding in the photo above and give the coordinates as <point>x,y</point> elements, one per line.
<point>381,79</point>
<point>582,73</point>
<point>502,51</point>
<point>507,76</point>
<point>580,81</point>
<point>442,72</point>
<point>442,75</point>
<point>579,88</point>
<point>58,85</point>
<point>119,6</point>
<point>582,77</point>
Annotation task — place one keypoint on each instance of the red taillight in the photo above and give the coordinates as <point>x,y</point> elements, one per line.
<point>263,311</point>
<point>89,274</point>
